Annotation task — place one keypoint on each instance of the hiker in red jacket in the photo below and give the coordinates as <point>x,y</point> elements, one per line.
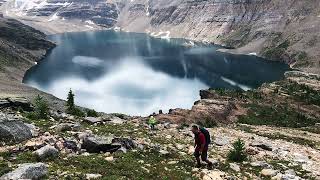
<point>201,147</point>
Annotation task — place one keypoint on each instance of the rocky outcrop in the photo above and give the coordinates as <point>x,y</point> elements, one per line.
<point>208,111</point>
<point>16,102</point>
<point>278,30</point>
<point>13,131</point>
<point>27,171</point>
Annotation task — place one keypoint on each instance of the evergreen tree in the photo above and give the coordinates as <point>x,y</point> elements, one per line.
<point>71,108</point>
<point>70,102</point>
<point>41,109</point>
<point>237,154</point>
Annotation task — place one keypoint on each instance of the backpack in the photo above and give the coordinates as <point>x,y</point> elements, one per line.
<point>206,135</point>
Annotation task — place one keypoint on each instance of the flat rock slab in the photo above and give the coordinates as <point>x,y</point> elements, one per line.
<point>262,145</point>
<point>27,171</point>
<point>14,131</point>
<point>16,102</point>
<point>93,120</point>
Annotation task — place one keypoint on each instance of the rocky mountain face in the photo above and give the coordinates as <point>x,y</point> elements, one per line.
<point>279,30</point>
<point>21,46</point>
<point>98,12</point>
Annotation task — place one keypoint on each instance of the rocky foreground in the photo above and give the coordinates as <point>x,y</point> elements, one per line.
<point>280,143</point>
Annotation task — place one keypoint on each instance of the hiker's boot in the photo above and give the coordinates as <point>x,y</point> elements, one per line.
<point>210,165</point>
<point>198,166</point>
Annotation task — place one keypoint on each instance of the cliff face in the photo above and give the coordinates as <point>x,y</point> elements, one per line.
<point>279,30</point>
<point>21,46</point>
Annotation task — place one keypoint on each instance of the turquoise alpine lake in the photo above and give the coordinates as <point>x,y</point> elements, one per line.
<point>136,74</point>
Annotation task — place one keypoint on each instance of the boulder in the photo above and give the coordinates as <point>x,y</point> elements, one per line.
<point>67,127</point>
<point>116,120</point>
<point>93,176</point>
<point>14,131</point>
<point>269,172</point>
<point>27,171</point>
<point>262,164</point>
<point>300,158</point>
<point>95,144</point>
<point>109,159</point>
<point>34,144</point>
<point>125,142</point>
<point>47,151</point>
<point>93,120</point>
<point>212,175</point>
<point>221,141</point>
<point>164,152</point>
<point>34,130</point>
<point>234,167</point>
<point>262,145</point>
<point>72,145</point>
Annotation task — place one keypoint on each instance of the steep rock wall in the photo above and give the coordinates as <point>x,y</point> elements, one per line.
<point>286,30</point>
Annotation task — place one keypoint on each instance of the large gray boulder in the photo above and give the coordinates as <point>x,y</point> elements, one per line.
<point>14,131</point>
<point>96,144</point>
<point>27,171</point>
<point>47,151</point>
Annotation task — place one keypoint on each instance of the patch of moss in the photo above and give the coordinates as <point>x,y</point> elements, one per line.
<point>301,92</point>
<point>43,124</point>
<point>4,168</point>
<point>126,166</point>
<point>277,115</point>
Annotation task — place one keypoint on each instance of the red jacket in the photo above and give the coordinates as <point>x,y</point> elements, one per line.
<point>200,139</point>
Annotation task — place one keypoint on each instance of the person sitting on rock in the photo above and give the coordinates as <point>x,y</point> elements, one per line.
<point>152,122</point>
<point>201,147</point>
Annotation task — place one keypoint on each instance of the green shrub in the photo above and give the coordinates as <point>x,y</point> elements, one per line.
<point>77,112</point>
<point>208,123</point>
<point>41,109</point>
<point>281,115</point>
<point>237,154</point>
<point>92,113</point>
<point>4,168</point>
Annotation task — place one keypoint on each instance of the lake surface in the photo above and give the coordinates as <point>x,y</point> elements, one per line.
<point>137,74</point>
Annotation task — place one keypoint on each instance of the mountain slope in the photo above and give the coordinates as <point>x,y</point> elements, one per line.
<point>20,48</point>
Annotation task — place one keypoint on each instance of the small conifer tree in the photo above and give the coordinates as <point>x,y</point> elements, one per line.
<point>70,102</point>
<point>41,109</point>
<point>237,154</point>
